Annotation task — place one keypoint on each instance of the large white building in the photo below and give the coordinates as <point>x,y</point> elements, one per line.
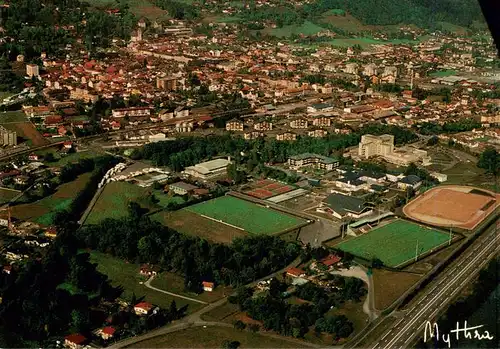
<point>7,137</point>
<point>376,146</point>
<point>208,169</point>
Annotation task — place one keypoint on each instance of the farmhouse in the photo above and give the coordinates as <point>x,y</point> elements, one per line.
<point>314,160</point>
<point>182,188</point>
<point>341,206</point>
<point>208,169</point>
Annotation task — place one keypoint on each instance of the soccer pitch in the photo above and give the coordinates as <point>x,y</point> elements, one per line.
<point>246,215</point>
<point>395,243</point>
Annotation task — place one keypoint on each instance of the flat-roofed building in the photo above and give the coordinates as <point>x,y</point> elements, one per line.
<point>182,188</point>
<point>7,137</point>
<point>376,146</point>
<point>313,160</point>
<point>208,169</point>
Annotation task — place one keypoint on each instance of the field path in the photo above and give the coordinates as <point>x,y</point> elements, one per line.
<point>148,285</point>
<point>360,273</point>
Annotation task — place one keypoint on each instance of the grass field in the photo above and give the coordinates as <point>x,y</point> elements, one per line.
<point>42,211</point>
<point>390,285</point>
<point>306,28</point>
<point>114,200</point>
<point>7,194</point>
<point>72,157</point>
<point>246,215</point>
<point>127,275</point>
<point>190,223</point>
<point>174,283</point>
<point>12,116</point>
<point>214,337</point>
<point>394,243</point>
<point>443,73</point>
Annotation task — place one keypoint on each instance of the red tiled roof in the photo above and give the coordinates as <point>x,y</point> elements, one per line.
<point>144,305</point>
<point>295,271</point>
<point>109,330</point>
<point>208,284</point>
<point>76,338</point>
<point>330,260</point>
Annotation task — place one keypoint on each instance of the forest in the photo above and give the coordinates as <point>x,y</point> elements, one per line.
<point>423,13</point>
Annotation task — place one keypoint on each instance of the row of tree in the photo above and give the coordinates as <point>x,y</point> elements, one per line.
<point>180,153</point>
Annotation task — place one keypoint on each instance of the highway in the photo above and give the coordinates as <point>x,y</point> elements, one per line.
<point>441,292</point>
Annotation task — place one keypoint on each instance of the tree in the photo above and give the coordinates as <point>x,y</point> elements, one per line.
<point>227,344</point>
<point>433,141</point>
<point>239,325</point>
<point>490,161</point>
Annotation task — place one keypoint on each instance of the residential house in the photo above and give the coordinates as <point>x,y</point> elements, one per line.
<point>7,269</point>
<point>295,272</point>
<point>410,181</point>
<point>263,126</point>
<point>208,286</point>
<point>50,232</point>
<point>143,308</point>
<point>148,270</point>
<point>106,333</point>
<point>75,341</point>
<point>321,121</point>
<point>253,135</point>
<point>313,160</point>
<point>234,125</point>
<point>33,157</point>
<point>317,133</point>
<point>182,188</point>
<point>330,260</point>
<point>341,206</point>
<point>68,144</point>
<point>286,136</point>
<point>299,123</point>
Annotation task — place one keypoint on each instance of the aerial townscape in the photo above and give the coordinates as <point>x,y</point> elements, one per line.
<point>248,174</point>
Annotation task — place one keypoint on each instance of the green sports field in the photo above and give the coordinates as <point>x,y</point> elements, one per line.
<point>394,243</point>
<point>246,215</point>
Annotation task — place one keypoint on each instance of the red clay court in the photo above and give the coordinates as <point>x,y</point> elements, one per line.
<point>266,188</point>
<point>452,206</point>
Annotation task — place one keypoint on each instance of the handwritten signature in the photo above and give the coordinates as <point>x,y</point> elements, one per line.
<point>432,331</point>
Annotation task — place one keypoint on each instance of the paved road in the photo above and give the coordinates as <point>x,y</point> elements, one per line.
<point>148,285</point>
<point>441,292</point>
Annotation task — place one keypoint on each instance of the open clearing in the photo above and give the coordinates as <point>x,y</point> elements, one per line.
<point>127,275</point>
<point>390,285</point>
<point>174,283</point>
<point>42,211</point>
<point>213,337</point>
<point>395,243</point>
<point>113,201</point>
<point>246,215</point>
<point>190,223</point>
